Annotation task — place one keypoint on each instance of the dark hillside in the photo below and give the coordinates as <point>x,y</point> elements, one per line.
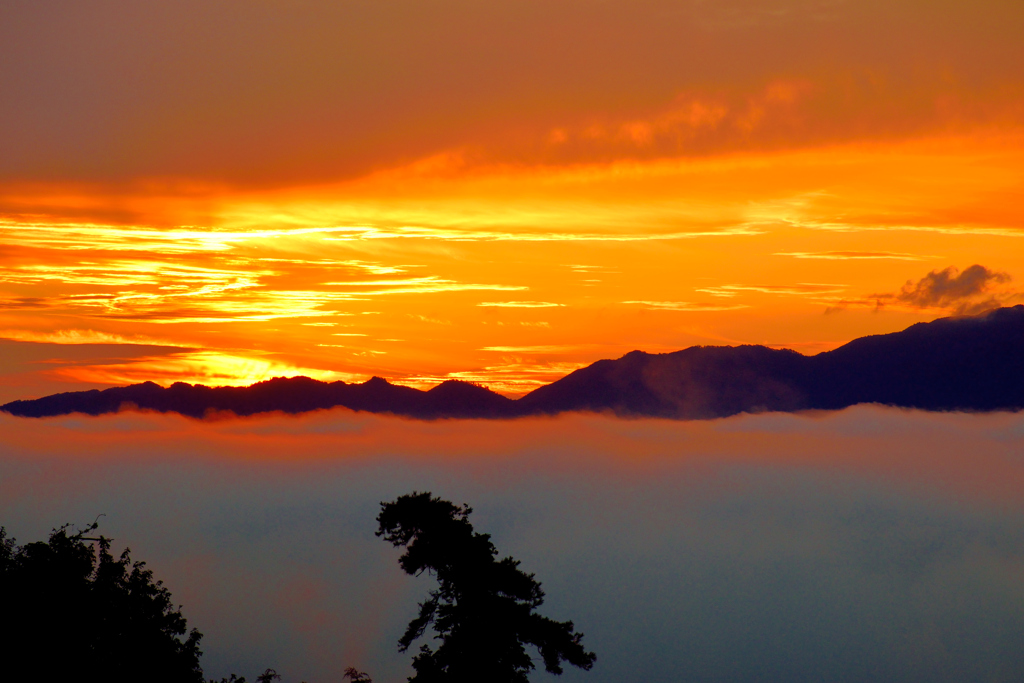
<point>965,363</point>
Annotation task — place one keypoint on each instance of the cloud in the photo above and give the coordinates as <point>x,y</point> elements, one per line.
<point>974,290</point>
<point>803,111</point>
<point>19,303</point>
<point>174,241</point>
<point>276,82</point>
<point>531,349</point>
<point>374,268</point>
<point>162,289</point>
<point>685,306</point>
<point>212,368</point>
<point>519,304</point>
<point>796,289</point>
<point>852,546</point>
<point>854,255</point>
<point>428,319</point>
<point>420,285</point>
<point>513,377</point>
<point>459,234</point>
<point>948,287</point>
<point>84,337</point>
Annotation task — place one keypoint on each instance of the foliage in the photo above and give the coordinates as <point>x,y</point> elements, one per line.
<point>72,611</point>
<point>268,676</point>
<point>357,676</point>
<point>483,609</point>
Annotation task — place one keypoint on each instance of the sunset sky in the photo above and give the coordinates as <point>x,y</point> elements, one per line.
<point>222,192</point>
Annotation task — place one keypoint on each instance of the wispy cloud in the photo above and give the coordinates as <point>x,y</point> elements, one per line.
<point>531,349</point>
<point>160,290</point>
<point>428,319</point>
<point>212,368</point>
<point>974,290</point>
<point>85,337</point>
<point>21,303</point>
<point>419,285</point>
<point>896,226</point>
<point>209,305</point>
<point>471,235</point>
<point>797,289</point>
<point>515,377</point>
<point>355,264</point>
<point>519,304</point>
<point>685,306</point>
<point>855,255</point>
<point>127,273</point>
<point>92,236</point>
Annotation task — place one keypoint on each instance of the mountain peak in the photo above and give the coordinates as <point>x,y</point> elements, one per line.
<point>959,363</point>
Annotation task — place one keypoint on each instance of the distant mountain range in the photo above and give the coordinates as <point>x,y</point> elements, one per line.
<point>967,363</point>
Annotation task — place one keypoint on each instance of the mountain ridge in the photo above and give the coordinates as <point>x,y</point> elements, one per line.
<point>969,363</point>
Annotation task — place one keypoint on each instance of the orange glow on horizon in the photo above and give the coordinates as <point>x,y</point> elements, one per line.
<point>511,275</point>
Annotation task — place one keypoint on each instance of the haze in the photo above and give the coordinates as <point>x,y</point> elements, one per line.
<point>869,544</point>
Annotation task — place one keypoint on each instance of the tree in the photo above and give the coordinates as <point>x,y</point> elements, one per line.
<point>71,611</point>
<point>483,610</point>
<point>268,676</point>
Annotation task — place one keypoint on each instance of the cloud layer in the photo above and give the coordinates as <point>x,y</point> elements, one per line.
<point>969,291</point>
<point>863,545</point>
<point>260,94</point>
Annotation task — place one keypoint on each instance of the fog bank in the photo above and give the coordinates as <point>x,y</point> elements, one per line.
<point>869,544</point>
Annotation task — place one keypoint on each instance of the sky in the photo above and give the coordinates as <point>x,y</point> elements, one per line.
<point>222,192</point>
<point>869,544</point>
<point>226,191</point>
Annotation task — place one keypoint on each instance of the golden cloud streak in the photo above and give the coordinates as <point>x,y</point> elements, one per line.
<point>862,226</point>
<point>211,368</point>
<point>182,293</point>
<point>531,349</point>
<point>455,235</point>
<point>420,285</point>
<point>519,304</point>
<point>127,273</point>
<point>92,237</point>
<point>685,306</point>
<point>513,379</point>
<point>855,255</point>
<point>798,289</point>
<point>85,337</point>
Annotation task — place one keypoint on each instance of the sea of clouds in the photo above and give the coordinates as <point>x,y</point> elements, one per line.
<point>870,544</point>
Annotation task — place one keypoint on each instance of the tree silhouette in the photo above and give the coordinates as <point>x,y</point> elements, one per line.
<point>268,676</point>
<point>483,608</point>
<point>72,611</point>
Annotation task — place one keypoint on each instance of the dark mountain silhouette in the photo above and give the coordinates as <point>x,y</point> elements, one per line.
<point>291,395</point>
<point>698,382</point>
<point>965,363</point>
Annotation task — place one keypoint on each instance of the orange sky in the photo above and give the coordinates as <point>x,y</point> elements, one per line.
<point>222,192</point>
